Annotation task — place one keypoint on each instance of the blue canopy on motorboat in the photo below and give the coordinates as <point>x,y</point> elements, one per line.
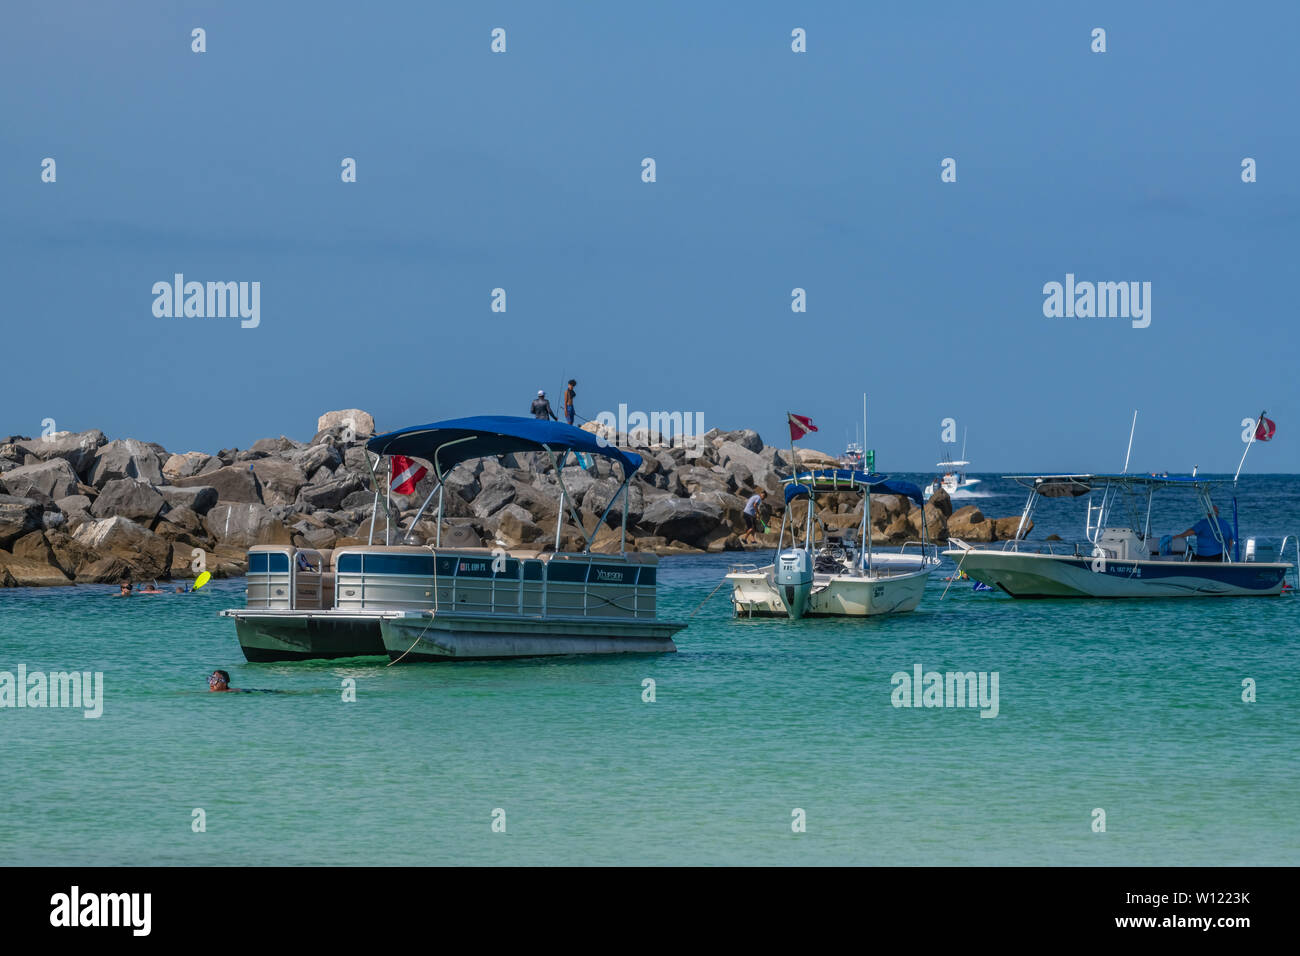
<point>797,491</point>
<point>460,439</point>
<point>848,479</point>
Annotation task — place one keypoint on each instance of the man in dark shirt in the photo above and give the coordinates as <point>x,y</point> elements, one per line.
<point>541,408</point>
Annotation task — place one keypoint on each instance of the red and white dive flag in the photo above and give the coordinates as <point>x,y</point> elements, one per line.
<point>800,425</point>
<point>405,474</point>
<point>1264,429</point>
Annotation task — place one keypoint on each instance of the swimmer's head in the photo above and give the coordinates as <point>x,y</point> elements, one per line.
<point>219,680</point>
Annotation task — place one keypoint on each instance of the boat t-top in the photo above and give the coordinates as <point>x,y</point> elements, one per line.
<point>832,574</point>
<point>452,599</point>
<point>1121,555</point>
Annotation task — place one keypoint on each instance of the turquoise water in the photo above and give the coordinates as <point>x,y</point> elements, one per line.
<point>1132,707</point>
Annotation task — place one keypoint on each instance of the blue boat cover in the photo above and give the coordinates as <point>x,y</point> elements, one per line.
<point>483,436</point>
<point>796,491</point>
<point>847,479</point>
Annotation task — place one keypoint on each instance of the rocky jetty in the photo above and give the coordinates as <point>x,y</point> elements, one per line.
<point>80,508</point>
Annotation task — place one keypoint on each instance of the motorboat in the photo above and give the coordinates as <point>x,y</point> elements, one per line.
<point>953,478</point>
<point>834,574</point>
<point>1121,556</point>
<point>455,600</point>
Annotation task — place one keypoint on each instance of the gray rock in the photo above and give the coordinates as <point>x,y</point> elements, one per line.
<point>328,494</point>
<point>18,516</point>
<point>76,448</point>
<point>234,483</point>
<point>598,496</point>
<point>747,438</point>
<point>515,526</point>
<point>495,494</point>
<point>121,540</point>
<point>76,507</point>
<point>187,465</point>
<point>244,525</point>
<point>129,498</point>
<point>126,458</point>
<point>198,498</point>
<point>314,457</point>
<point>361,423</point>
<point>274,446</point>
<point>684,519</point>
<point>280,481</point>
<point>362,499</point>
<point>54,479</point>
<point>186,519</point>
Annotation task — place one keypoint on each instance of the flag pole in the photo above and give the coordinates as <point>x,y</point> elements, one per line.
<point>1253,431</point>
<point>388,504</point>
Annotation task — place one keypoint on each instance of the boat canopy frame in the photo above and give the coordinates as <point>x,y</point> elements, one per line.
<point>1112,487</point>
<point>807,484</point>
<point>447,443</point>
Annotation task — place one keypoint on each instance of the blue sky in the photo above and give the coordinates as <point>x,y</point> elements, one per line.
<point>775,170</point>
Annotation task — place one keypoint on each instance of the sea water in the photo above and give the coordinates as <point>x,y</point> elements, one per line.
<point>766,742</point>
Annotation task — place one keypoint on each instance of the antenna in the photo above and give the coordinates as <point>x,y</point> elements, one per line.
<point>1130,442</point>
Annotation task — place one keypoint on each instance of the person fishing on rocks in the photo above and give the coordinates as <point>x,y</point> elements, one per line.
<point>541,408</point>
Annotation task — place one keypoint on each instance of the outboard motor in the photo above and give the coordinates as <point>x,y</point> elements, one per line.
<point>794,581</point>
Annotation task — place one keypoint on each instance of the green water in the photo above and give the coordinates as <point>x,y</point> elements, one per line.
<point>1132,707</point>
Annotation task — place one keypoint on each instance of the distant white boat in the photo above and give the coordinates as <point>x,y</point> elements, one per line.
<point>954,479</point>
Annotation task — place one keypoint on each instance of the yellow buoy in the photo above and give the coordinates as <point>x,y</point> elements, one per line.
<point>201,580</point>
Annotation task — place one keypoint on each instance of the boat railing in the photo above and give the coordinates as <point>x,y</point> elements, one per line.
<point>1294,573</point>
<point>495,582</point>
<point>929,550</point>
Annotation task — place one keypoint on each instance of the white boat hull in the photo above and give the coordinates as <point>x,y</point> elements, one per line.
<point>754,593</point>
<point>442,636</point>
<point>1027,575</point>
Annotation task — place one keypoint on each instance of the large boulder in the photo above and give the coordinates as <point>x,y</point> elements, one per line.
<point>126,458</point>
<point>234,483</point>
<point>513,525</point>
<point>496,493</point>
<point>941,501</point>
<point>330,494</point>
<point>244,525</point>
<point>886,508</point>
<point>311,459</point>
<point>18,516</point>
<point>1006,527</point>
<point>682,519</point>
<point>25,571</point>
<point>120,542</point>
<point>930,520</point>
<point>280,480</point>
<point>76,507</point>
<point>746,438</point>
<point>76,448</point>
<point>274,446</point>
<point>696,479</point>
<point>198,498</point>
<point>129,498</point>
<point>361,423</point>
<point>601,492</point>
<point>969,524</point>
<point>187,465</point>
<point>54,478</point>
